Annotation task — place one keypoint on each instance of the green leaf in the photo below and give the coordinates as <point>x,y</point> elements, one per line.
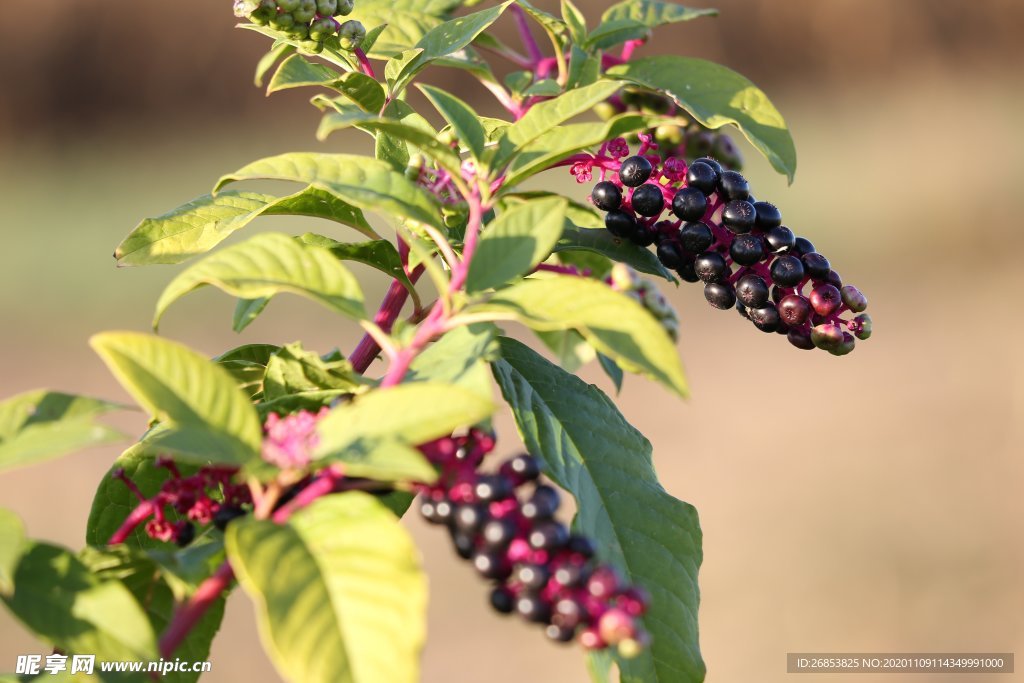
<point>268,61</point>
<point>369,184</point>
<point>584,68</point>
<point>459,358</point>
<point>247,310</point>
<point>574,21</point>
<point>464,121</point>
<point>247,364</point>
<point>41,425</point>
<point>514,243</point>
<point>12,546</point>
<point>394,151</point>
<point>379,254</point>
<point>407,21</point>
<point>385,460</point>
<point>209,418</point>
<point>653,13</point>
<point>545,116</point>
<point>444,40</point>
<point>606,464</point>
<point>293,370</point>
<point>614,324</point>
<point>340,596</point>
<point>612,369</point>
<point>61,601</point>
<point>266,265</point>
<point>297,72</point>
<point>600,241</point>
<point>717,96</point>
<point>611,33</point>
<point>199,226</point>
<point>411,413</point>
<point>570,348</point>
<point>546,88</point>
<point>551,24</point>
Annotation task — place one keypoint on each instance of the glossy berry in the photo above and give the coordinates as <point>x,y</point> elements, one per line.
<point>498,533</point>
<point>603,583</point>
<point>720,295</point>
<point>710,162</point>
<point>747,250</point>
<point>560,634</point>
<point>548,535</point>
<point>845,346</point>
<point>470,518</point>
<point>185,535</point>
<point>752,291</point>
<point>787,271</point>
<point>670,255</point>
<point>765,318</point>
<point>696,237</point>
<point>863,326</point>
<point>768,215</point>
<point>836,281</point>
<point>816,265</point>
<point>533,608</point>
<point>569,613</point>
<point>465,543</point>
<point>620,223</point>
<point>702,177</point>
<point>492,487</point>
<point>825,300</point>
<point>635,171</point>
<point>606,195</point>
<point>802,246</point>
<point>327,8</point>
<point>800,338</point>
<point>711,266</point>
<point>571,574</point>
<point>854,299</point>
<point>503,600</point>
<point>779,239</point>
<point>794,310</point>
<point>581,545</point>
<point>739,216</point>
<point>827,336</point>
<point>542,504</point>
<point>521,469</point>
<point>689,204</point>
<point>686,271</point>
<point>224,515</point>
<point>492,565</point>
<point>345,8</point>
<point>647,200</point>
<point>733,186</point>
<point>532,576</point>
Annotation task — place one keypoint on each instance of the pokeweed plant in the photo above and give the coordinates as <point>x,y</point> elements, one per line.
<point>286,471</point>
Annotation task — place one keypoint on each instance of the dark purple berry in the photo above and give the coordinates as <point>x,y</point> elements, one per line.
<point>833,279</point>
<point>686,271</point>
<point>752,291</point>
<point>825,300</point>
<point>469,518</point>
<point>787,271</point>
<point>498,533</point>
<point>733,185</point>
<point>582,546</point>
<point>644,235</point>
<point>492,487</point>
<point>521,469</point>
<point>186,534</point>
<point>465,543</point>
<point>560,634</point>
<point>779,238</point>
<point>710,162</point>
<point>571,574</point>
<point>800,337</point>
<point>532,576</point>
<point>766,318</point>
<point>543,504</point>
<point>711,267</point>
<point>689,204</point>
<point>670,255</point>
<point>635,171</point>
<point>606,195</point>
<point>702,177</point>
<point>603,583</point>
<point>548,535</point>
<point>768,215</point>
<point>802,246</point>
<point>739,216</point>
<point>620,223</point>
<point>534,608</point>
<point>794,310</point>
<point>720,295</point>
<point>569,613</point>
<point>816,265</point>
<point>696,237</point>
<point>742,310</point>
<point>503,600</point>
<point>747,250</point>
<point>647,200</point>
<point>492,565</point>
<point>224,515</point>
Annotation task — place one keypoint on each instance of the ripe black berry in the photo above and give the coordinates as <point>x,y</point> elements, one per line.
<point>569,613</point>
<point>225,514</point>
<point>490,488</point>
<point>532,576</point>
<point>498,533</point>
<point>825,300</point>
<point>800,337</point>
<point>779,238</point>
<point>768,215</point>
<point>470,518</point>
<point>543,504</point>
<point>802,246</point>
<point>560,634</point>
<point>710,162</point>
<point>696,237</point>
<point>732,185</point>
<point>686,271</point>
<point>581,545</point>
<point>787,271</point>
<point>533,608</point>
<point>548,535</point>
<point>689,204</point>
<point>647,200</point>
<point>833,279</point>
<point>670,254</point>
<point>620,223</point>
<point>752,291</point>
<point>186,534</point>
<point>703,177</point>
<point>739,216</point>
<point>571,574</point>
<point>492,565</point>
<point>711,267</point>
<point>521,469</point>
<point>765,319</point>
<point>606,195</point>
<point>794,310</point>
<point>465,543</point>
<point>503,600</point>
<point>816,265</point>
<point>644,235</point>
<point>720,295</point>
<point>635,171</point>
<point>747,250</point>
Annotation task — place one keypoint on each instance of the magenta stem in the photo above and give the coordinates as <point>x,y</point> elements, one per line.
<point>523,24</point>
<point>191,611</point>
<point>364,63</point>
<point>141,512</point>
<point>390,309</point>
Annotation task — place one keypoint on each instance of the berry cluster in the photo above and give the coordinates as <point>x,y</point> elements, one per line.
<point>540,570</point>
<point>207,497</point>
<point>626,280</point>
<point>688,139</point>
<point>718,234</point>
<point>312,20</point>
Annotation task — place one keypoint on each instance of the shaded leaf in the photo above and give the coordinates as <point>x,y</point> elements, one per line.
<point>12,545</point>
<point>247,310</point>
<point>459,358</point>
<point>379,254</point>
<point>357,87</point>
<point>654,13</point>
<point>247,364</point>
<point>464,121</point>
<point>293,370</point>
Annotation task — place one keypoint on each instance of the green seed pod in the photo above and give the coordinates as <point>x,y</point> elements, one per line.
<point>863,329</point>
<point>306,11</point>
<point>667,134</point>
<point>345,8</point>
<point>605,110</point>
<point>447,137</point>
<point>327,8</point>
<point>412,169</point>
<point>313,46</point>
<point>261,17</point>
<point>322,29</point>
<point>299,32</point>
<point>351,35</point>
<point>282,22</point>
<point>288,5</point>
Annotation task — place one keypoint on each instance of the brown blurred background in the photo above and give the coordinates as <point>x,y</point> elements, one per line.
<point>868,503</point>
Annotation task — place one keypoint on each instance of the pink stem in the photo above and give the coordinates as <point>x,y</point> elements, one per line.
<point>137,517</point>
<point>552,268</point>
<point>523,24</point>
<point>505,99</point>
<point>364,63</point>
<point>629,47</point>
<point>190,612</point>
<point>386,316</point>
<point>325,483</point>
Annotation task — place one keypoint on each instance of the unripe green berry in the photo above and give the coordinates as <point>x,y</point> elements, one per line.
<point>305,12</point>
<point>863,326</point>
<point>243,8</point>
<point>321,29</point>
<point>260,18</point>
<point>298,32</point>
<point>282,22</point>
<point>351,35</point>
<point>827,336</point>
<point>605,110</point>
<point>447,137</point>
<point>327,8</point>
<point>668,134</point>
<point>854,299</point>
<point>345,8</point>
<point>288,5</point>
<point>845,346</point>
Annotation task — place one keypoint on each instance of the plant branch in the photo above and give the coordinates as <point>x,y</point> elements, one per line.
<point>188,613</point>
<point>388,313</point>
<point>523,24</point>
<point>142,511</point>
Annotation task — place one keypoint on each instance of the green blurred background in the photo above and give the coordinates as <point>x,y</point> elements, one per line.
<point>865,503</point>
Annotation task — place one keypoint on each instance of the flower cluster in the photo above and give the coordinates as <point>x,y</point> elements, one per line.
<point>718,234</point>
<point>312,20</point>
<point>288,442</point>
<point>540,570</point>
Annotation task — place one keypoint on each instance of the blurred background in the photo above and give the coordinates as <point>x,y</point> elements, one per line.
<point>856,504</point>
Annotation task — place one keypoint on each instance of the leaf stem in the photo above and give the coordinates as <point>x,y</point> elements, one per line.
<point>142,511</point>
<point>388,313</point>
<point>364,63</point>
<point>524,33</point>
<point>188,613</point>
